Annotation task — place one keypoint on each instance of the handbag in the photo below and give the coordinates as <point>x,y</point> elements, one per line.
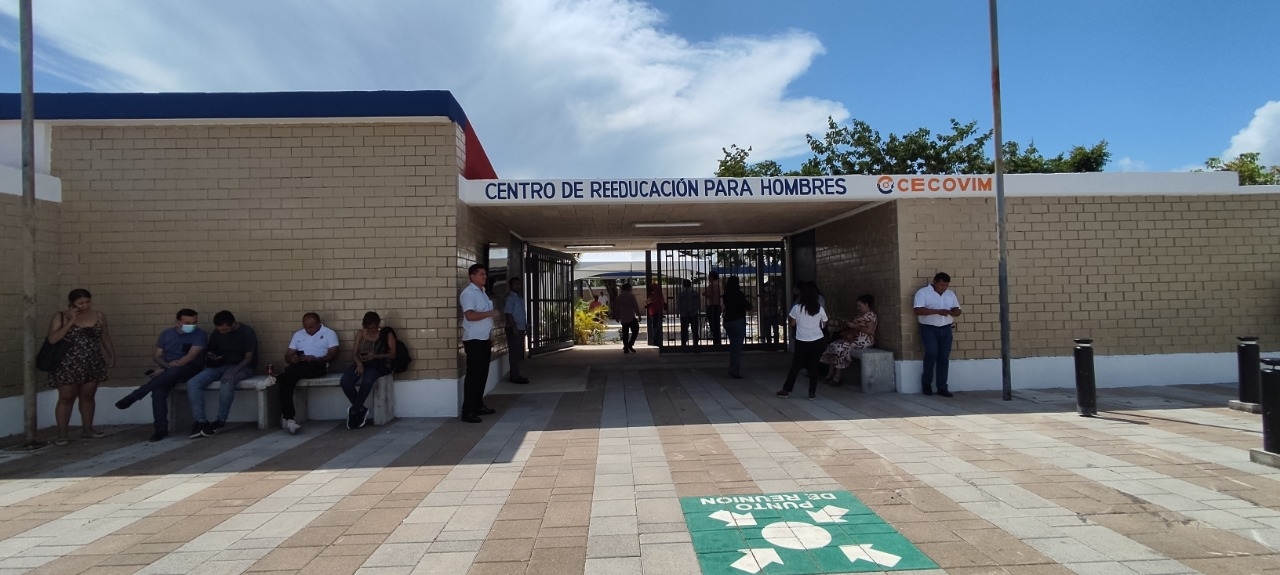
<point>51,354</point>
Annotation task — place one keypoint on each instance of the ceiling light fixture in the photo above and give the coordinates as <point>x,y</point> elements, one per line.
<point>667,224</point>
<point>588,246</point>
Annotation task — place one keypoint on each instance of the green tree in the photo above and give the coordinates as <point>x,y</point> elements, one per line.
<point>1248,167</point>
<point>856,148</point>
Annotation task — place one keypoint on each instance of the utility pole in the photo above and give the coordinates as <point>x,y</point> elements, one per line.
<point>1001,223</point>
<point>29,296</point>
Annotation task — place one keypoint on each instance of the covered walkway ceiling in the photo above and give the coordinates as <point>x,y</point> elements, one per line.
<point>558,226</point>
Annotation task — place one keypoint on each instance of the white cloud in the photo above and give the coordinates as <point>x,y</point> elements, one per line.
<point>556,88</point>
<point>1127,164</point>
<point>1262,135</point>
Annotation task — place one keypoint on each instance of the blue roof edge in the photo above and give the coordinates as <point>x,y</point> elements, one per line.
<point>215,105</point>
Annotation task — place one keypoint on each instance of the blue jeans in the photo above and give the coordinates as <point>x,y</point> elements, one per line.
<point>736,329</point>
<point>226,393</point>
<point>937,352</point>
<point>371,374</point>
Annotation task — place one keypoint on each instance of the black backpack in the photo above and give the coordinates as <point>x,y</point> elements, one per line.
<point>400,363</point>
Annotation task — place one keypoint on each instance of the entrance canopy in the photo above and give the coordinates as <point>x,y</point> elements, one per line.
<point>636,214</point>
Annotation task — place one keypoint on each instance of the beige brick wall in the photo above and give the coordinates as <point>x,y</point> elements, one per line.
<point>1138,274</point>
<point>50,293</point>
<point>269,221</point>
<point>858,255</point>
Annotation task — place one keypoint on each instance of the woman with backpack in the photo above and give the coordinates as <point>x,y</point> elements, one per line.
<point>375,352</point>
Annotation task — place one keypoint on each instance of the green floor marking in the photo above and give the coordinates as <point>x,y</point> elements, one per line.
<point>795,533</point>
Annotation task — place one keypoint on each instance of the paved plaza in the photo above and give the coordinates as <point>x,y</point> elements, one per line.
<point>639,464</point>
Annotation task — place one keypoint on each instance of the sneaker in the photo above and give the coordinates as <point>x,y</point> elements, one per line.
<point>486,410</point>
<point>352,415</point>
<point>927,391</point>
<point>362,418</point>
<point>945,393</point>
<point>470,418</point>
<point>291,426</point>
<point>125,402</point>
<point>783,394</point>
<point>157,436</point>
<point>197,429</point>
<point>213,428</point>
<point>813,396</point>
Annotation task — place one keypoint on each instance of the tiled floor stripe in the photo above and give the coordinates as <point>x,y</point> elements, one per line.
<point>15,491</point>
<point>63,536</point>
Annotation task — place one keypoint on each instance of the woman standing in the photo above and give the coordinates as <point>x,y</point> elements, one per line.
<point>859,334</point>
<point>808,317</point>
<point>85,364</point>
<point>735,323</point>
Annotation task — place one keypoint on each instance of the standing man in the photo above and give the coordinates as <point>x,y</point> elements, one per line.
<point>936,308</point>
<point>308,357</point>
<point>179,354</point>
<point>713,293</point>
<point>687,303</point>
<point>230,357</point>
<point>477,324</point>
<point>516,327</point>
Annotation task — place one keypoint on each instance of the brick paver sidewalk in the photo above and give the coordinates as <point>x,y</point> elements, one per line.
<point>592,481</point>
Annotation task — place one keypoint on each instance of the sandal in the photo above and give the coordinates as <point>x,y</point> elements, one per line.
<point>93,435</point>
<point>61,442</point>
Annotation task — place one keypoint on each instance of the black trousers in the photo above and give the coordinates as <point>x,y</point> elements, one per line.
<point>630,331</point>
<point>479,352</point>
<point>807,355</point>
<point>287,381</point>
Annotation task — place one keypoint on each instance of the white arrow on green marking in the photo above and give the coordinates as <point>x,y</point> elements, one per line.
<point>864,552</point>
<point>756,560</point>
<point>828,514</point>
<point>732,519</point>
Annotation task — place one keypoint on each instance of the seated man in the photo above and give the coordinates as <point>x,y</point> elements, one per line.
<point>230,357</point>
<point>179,353</point>
<point>308,356</point>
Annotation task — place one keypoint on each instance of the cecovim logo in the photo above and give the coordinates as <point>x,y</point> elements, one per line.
<point>908,184</point>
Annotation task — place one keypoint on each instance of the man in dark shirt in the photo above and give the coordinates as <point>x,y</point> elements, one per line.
<point>231,356</point>
<point>179,354</point>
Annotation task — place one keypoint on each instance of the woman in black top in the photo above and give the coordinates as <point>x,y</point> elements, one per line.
<point>735,324</point>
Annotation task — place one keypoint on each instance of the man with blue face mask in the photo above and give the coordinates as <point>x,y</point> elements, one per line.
<point>179,354</point>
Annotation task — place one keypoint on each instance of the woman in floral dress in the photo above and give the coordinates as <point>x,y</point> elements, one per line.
<point>859,334</point>
<point>85,364</point>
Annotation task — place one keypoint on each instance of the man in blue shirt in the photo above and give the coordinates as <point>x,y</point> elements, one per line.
<point>516,327</point>
<point>179,354</point>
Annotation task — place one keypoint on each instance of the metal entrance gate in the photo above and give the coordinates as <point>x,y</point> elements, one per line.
<point>759,269</point>
<point>550,292</point>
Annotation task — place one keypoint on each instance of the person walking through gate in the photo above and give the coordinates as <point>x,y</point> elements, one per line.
<point>516,326</point>
<point>687,303</point>
<point>808,317</point>
<point>627,311</point>
<point>477,325</point>
<point>936,308</point>
<point>735,323</point>
<point>712,293</point>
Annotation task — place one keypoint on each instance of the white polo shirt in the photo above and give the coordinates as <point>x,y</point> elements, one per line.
<point>474,299</point>
<point>808,327</point>
<point>316,345</point>
<point>929,298</point>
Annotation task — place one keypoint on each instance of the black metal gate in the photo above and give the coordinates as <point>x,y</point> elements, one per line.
<point>550,292</point>
<point>759,269</point>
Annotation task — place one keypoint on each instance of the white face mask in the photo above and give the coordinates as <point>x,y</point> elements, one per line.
<point>188,328</point>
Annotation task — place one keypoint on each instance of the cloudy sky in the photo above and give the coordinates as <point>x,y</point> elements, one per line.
<point>597,88</point>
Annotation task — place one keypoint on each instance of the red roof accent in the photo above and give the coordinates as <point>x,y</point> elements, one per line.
<point>477,166</point>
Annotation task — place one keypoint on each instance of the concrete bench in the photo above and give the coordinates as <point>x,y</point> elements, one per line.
<point>381,401</point>
<point>876,370</point>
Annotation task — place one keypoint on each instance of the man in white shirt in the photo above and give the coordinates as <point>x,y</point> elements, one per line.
<point>477,324</point>
<point>308,357</point>
<point>516,326</point>
<point>936,308</point>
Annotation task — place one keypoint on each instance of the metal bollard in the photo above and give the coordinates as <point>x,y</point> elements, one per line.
<point>1271,405</point>
<point>1247,355</point>
<point>1086,386</point>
